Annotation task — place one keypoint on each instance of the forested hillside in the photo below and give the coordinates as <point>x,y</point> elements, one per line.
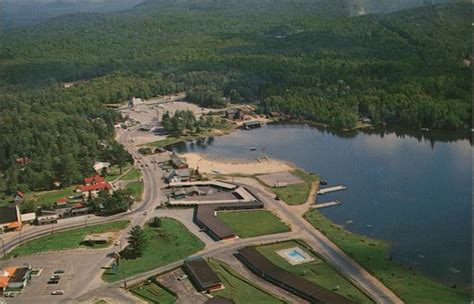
<point>297,57</point>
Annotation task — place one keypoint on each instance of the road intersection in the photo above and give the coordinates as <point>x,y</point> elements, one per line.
<point>89,285</point>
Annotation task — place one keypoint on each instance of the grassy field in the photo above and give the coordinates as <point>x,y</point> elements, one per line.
<point>51,196</point>
<point>134,174</point>
<point>244,222</point>
<point>316,271</point>
<point>136,189</point>
<point>167,244</point>
<point>153,293</point>
<point>297,194</point>
<point>170,140</point>
<point>69,239</point>
<point>238,289</point>
<point>114,171</point>
<point>372,254</point>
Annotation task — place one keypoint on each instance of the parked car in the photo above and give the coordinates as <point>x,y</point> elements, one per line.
<point>117,243</point>
<point>59,271</point>
<point>53,281</point>
<point>182,277</point>
<point>58,292</point>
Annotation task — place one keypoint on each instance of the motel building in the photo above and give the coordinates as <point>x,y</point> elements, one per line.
<point>202,276</point>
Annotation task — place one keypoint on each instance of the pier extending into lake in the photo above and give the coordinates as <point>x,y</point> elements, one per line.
<point>326,204</point>
<point>332,189</point>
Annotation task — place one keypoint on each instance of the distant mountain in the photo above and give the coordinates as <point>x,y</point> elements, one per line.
<point>21,12</point>
<point>318,7</point>
<point>362,7</point>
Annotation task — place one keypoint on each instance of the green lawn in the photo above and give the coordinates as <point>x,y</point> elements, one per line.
<point>114,171</point>
<point>410,285</point>
<point>136,189</point>
<point>297,194</point>
<point>170,140</point>
<point>167,244</point>
<point>51,196</point>
<point>153,293</point>
<point>238,289</point>
<point>69,239</point>
<point>252,223</point>
<point>317,271</point>
<point>134,174</point>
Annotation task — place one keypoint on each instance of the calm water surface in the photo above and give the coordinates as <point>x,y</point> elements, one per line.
<point>414,194</point>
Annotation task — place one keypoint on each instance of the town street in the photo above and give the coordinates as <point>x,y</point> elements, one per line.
<point>88,284</point>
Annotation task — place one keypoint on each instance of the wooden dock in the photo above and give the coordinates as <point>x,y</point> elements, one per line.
<point>332,189</point>
<point>326,204</point>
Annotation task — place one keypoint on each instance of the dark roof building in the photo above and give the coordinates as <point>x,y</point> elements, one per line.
<point>203,277</point>
<point>178,162</point>
<point>10,218</point>
<point>20,278</point>
<point>205,218</point>
<point>8,215</point>
<point>305,289</point>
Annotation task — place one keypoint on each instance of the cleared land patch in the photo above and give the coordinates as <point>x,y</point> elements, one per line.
<point>252,223</point>
<point>317,270</point>
<point>297,194</point>
<point>69,239</point>
<point>373,255</point>
<point>167,244</point>
<point>280,179</point>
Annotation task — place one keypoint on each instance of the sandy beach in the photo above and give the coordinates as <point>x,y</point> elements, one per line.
<point>260,166</point>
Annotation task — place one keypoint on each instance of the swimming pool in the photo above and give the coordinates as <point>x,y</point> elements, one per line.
<point>295,255</point>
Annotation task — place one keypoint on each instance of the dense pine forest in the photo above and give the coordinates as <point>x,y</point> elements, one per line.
<point>307,59</point>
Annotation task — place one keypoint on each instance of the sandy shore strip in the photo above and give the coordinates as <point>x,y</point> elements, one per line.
<point>251,167</point>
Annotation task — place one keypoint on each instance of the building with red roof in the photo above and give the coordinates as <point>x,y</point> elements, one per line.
<point>94,189</point>
<point>96,179</point>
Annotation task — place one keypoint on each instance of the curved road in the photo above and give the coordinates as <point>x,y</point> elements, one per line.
<point>152,195</point>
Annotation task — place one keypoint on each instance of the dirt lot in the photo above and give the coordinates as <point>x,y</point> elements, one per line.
<point>279,178</point>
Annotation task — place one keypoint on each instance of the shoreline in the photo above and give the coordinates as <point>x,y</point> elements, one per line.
<point>236,166</point>
<point>428,280</point>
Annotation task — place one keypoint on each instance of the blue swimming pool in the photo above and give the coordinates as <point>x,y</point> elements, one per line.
<point>295,255</point>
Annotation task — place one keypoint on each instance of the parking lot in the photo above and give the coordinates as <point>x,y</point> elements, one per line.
<point>77,265</point>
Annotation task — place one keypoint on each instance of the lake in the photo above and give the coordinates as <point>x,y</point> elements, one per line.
<point>411,192</point>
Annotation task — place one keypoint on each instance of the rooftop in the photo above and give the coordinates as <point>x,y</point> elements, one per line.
<point>310,290</point>
<point>202,274</point>
<point>8,214</point>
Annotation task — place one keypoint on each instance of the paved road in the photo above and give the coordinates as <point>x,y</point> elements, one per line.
<point>88,287</point>
<point>329,251</point>
<point>300,229</point>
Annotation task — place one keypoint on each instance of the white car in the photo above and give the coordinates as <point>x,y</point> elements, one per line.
<point>116,243</point>
<point>58,292</point>
<point>182,277</point>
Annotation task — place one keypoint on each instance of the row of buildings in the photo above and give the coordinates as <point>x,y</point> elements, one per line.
<point>11,219</point>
